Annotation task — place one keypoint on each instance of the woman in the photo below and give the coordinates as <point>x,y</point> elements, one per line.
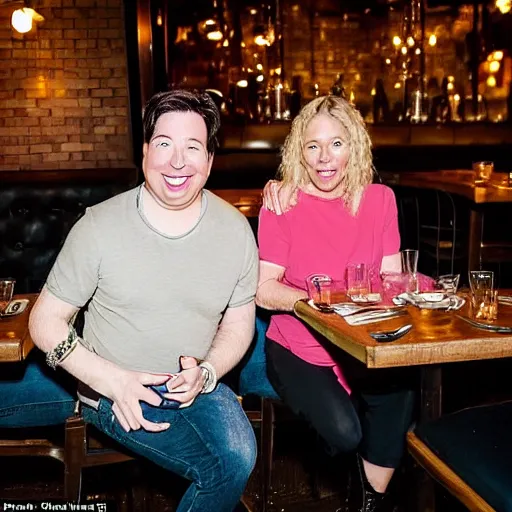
<point>338,217</point>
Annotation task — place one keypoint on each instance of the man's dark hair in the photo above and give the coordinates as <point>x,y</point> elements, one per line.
<point>179,100</point>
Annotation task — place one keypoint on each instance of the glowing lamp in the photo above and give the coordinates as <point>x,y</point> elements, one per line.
<point>21,20</point>
<point>494,66</point>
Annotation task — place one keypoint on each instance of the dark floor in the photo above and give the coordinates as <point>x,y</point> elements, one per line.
<point>304,480</point>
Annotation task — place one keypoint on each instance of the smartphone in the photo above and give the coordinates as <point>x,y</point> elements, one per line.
<point>161,389</point>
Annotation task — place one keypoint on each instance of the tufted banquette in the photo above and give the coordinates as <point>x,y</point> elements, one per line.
<point>37,210</point>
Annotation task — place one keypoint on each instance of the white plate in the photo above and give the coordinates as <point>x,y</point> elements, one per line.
<point>15,307</point>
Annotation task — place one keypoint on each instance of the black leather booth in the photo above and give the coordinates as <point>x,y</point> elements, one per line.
<point>37,210</point>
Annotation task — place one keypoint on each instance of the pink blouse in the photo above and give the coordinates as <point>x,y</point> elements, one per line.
<point>320,236</point>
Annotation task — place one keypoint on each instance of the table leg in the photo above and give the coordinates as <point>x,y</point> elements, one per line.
<point>475,238</point>
<point>430,409</point>
<point>431,386</point>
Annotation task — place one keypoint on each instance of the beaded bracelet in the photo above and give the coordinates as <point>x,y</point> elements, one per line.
<point>63,349</point>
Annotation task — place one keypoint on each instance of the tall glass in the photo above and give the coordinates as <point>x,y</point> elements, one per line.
<point>484,298</point>
<point>6,292</point>
<point>483,172</point>
<point>410,268</point>
<point>358,280</point>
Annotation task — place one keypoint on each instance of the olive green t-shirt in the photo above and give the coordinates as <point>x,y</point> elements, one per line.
<point>151,297</point>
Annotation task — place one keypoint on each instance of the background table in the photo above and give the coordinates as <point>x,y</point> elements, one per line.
<point>461,183</point>
<point>15,340</point>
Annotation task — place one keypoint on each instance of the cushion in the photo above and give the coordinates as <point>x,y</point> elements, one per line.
<point>253,376</point>
<point>476,443</point>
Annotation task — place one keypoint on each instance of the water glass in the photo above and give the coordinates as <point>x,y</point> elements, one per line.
<point>483,171</point>
<point>394,283</point>
<point>481,281</point>
<point>358,280</point>
<point>410,268</point>
<point>319,288</point>
<point>6,292</point>
<point>485,306</point>
<point>484,298</point>
<point>448,283</point>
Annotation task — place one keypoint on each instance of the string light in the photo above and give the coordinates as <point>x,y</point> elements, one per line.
<point>494,66</point>
<point>504,6</point>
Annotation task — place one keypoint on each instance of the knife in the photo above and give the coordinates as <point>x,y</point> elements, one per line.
<point>488,327</point>
<point>377,316</point>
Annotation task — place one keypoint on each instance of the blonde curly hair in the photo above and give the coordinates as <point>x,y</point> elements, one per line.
<point>359,169</point>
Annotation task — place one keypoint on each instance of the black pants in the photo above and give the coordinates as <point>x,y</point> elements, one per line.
<point>373,420</point>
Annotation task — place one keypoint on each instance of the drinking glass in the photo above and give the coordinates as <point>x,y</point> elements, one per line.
<point>394,283</point>
<point>485,306</point>
<point>358,280</point>
<point>448,283</point>
<point>6,291</point>
<point>483,171</point>
<point>481,280</point>
<point>484,298</point>
<point>319,288</point>
<point>410,268</point>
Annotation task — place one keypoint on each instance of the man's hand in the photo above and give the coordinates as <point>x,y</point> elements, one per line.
<point>126,389</point>
<point>279,198</point>
<point>187,384</point>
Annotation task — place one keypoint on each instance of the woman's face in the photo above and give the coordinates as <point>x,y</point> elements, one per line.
<point>326,154</point>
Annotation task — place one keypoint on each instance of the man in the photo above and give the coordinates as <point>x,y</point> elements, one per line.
<point>168,273</point>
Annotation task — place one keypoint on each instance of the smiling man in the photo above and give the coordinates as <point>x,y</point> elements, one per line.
<point>167,275</point>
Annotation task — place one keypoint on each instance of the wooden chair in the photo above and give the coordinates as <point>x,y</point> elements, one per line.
<point>254,381</point>
<point>264,418</point>
<point>82,447</point>
<point>85,447</point>
<point>470,453</point>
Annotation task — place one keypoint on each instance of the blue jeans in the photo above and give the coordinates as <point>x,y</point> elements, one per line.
<point>210,443</point>
<point>33,395</point>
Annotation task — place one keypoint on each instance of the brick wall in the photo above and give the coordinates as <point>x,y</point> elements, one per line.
<point>63,88</point>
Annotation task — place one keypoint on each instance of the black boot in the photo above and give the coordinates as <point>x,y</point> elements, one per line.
<point>362,496</point>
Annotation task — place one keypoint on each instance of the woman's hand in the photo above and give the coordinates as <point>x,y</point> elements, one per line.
<point>279,198</point>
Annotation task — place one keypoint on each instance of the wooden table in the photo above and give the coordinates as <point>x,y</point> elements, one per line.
<point>462,183</point>
<point>15,340</point>
<point>437,337</point>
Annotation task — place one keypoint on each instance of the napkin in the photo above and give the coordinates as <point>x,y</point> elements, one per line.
<point>449,303</point>
<point>370,317</point>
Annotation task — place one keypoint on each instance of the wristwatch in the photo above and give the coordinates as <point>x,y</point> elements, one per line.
<point>210,377</point>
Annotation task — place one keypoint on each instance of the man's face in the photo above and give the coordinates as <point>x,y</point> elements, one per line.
<point>176,163</point>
